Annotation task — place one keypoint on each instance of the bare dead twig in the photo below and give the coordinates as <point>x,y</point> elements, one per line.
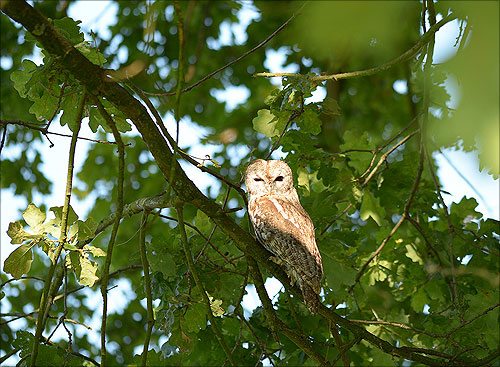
<point>43,130</point>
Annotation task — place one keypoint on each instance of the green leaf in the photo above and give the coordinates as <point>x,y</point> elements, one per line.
<point>19,261</point>
<point>330,107</point>
<point>419,299</point>
<point>69,105</point>
<point>370,207</point>
<point>377,274</point>
<point>70,29</point>
<point>84,268</point>
<point>413,255</point>
<point>57,210</point>
<point>202,221</point>
<point>51,356</point>
<point>21,77</point>
<point>95,251</point>
<point>274,98</point>
<point>196,317</point>
<point>356,139</point>
<point>70,246</point>
<point>83,230</point>
<point>163,262</point>
<point>95,118</point>
<point>309,122</point>
<point>34,217</point>
<point>265,123</point>
<point>23,340</point>
<point>91,53</point>
<point>18,235</point>
<point>43,108</point>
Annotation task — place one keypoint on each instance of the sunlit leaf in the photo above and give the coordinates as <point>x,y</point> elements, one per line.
<point>19,261</point>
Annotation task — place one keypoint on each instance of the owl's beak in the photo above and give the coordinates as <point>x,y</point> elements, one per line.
<point>269,188</point>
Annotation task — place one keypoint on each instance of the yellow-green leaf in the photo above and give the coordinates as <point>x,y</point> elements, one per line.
<point>215,306</point>
<point>84,268</point>
<point>265,123</point>
<point>17,233</point>
<point>19,261</point>
<point>370,207</point>
<point>34,217</point>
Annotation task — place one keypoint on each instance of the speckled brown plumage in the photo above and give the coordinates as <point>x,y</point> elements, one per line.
<point>283,227</point>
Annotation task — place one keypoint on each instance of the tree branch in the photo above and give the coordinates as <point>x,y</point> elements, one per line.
<point>276,324</point>
<point>116,224</point>
<point>44,131</point>
<point>93,78</point>
<point>147,286</point>
<point>62,239</point>
<point>270,37</point>
<point>405,56</point>
<point>199,284</point>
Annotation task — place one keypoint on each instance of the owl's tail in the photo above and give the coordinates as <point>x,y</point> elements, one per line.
<point>311,299</point>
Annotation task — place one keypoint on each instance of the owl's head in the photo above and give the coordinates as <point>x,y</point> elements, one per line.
<point>268,178</point>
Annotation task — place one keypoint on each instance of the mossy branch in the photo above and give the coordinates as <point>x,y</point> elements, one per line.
<point>147,286</point>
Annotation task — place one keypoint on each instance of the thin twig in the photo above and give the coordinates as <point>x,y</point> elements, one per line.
<point>293,115</point>
<point>4,134</point>
<point>116,224</point>
<point>173,144</point>
<point>199,284</point>
<point>62,239</point>
<point>405,56</point>
<point>226,198</point>
<point>271,36</point>
<point>44,131</point>
<point>403,216</point>
<point>385,155</point>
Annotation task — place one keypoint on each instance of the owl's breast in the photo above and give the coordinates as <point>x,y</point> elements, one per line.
<point>275,213</point>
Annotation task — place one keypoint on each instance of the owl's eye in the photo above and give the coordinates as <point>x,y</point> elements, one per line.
<point>257,179</point>
<point>279,178</point>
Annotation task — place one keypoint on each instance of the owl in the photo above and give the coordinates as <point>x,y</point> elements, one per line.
<point>283,227</point>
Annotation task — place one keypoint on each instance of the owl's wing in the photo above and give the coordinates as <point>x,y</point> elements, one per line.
<point>285,229</point>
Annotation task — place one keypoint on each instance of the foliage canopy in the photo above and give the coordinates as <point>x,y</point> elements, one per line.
<point>396,288</point>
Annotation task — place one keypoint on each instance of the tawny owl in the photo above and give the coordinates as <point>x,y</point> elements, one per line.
<point>283,227</point>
